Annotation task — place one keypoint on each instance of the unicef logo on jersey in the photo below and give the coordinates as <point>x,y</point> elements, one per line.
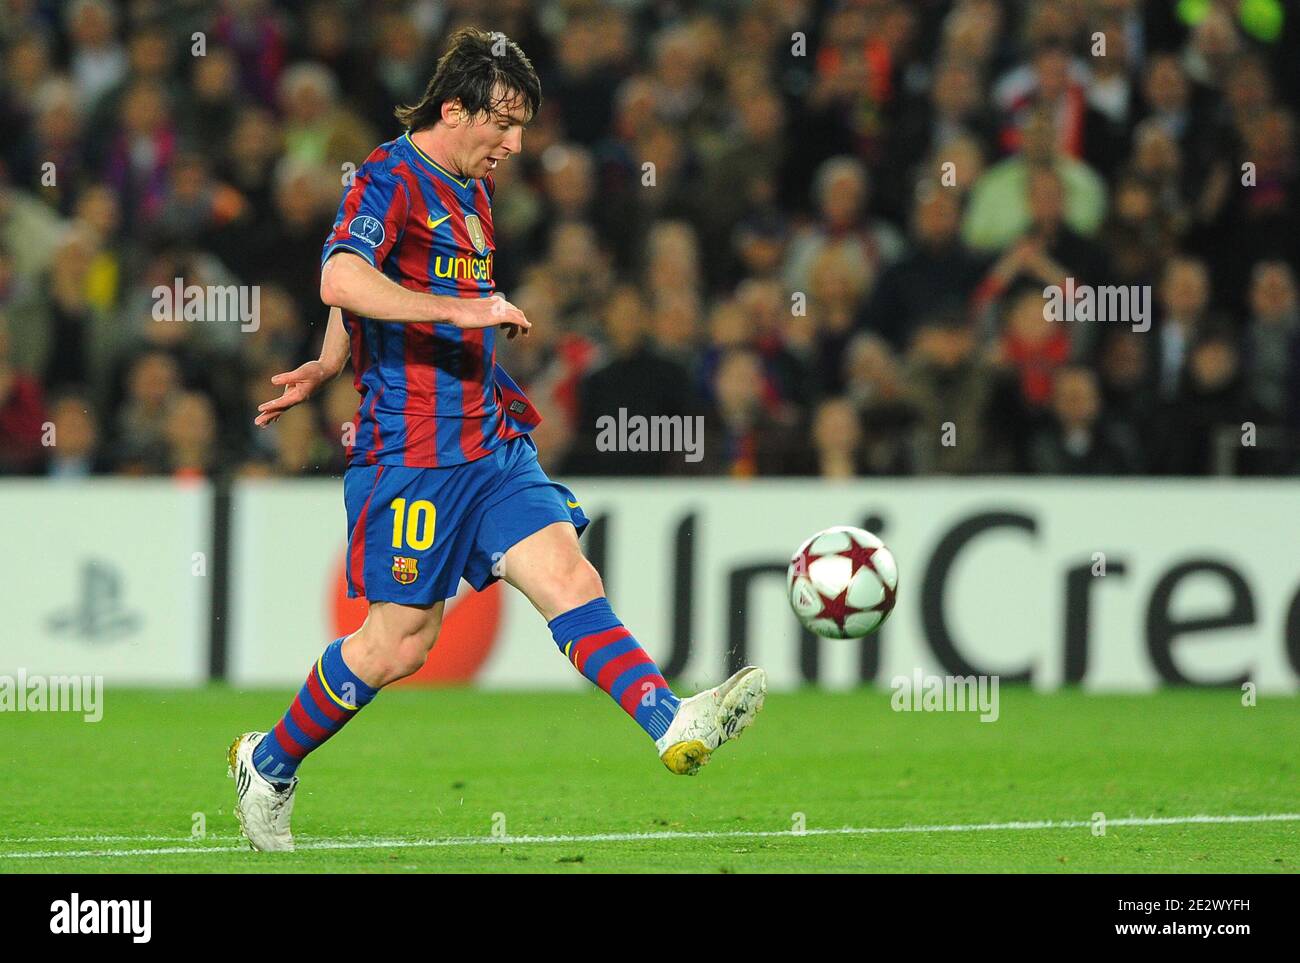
<point>368,229</point>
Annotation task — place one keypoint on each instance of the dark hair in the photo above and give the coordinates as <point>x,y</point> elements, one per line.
<point>475,63</point>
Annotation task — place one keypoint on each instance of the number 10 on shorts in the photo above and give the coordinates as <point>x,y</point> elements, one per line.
<point>417,524</point>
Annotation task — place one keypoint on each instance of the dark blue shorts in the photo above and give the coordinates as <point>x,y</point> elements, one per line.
<point>414,533</point>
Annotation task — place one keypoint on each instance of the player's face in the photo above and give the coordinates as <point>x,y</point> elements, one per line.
<point>492,137</point>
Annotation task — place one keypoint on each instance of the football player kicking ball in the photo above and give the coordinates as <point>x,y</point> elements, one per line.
<point>442,479</point>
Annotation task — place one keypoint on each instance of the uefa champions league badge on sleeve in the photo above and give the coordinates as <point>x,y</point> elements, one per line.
<point>368,229</point>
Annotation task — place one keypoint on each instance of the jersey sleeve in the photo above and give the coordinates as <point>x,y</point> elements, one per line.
<point>372,215</point>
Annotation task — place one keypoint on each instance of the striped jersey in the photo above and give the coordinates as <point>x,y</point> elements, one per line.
<point>432,394</point>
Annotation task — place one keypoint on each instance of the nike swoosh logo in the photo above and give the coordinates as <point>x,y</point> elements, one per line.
<point>432,223</point>
<point>571,504</point>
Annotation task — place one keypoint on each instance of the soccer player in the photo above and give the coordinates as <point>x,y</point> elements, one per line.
<point>443,481</point>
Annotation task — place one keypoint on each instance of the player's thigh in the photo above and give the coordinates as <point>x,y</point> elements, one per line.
<point>526,531</point>
<point>550,569</point>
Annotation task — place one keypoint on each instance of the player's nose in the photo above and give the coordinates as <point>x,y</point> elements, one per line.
<point>514,141</point>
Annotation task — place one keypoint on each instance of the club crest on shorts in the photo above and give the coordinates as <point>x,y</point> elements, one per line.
<point>405,569</point>
<point>475,228</point>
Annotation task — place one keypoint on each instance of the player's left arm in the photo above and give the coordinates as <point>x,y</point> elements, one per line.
<point>301,383</point>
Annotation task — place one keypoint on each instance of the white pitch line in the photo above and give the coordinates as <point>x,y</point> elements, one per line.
<point>365,843</point>
<point>96,838</point>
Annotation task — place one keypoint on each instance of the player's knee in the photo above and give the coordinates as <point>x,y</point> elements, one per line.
<point>410,654</point>
<point>398,657</point>
<point>392,653</point>
<point>577,583</point>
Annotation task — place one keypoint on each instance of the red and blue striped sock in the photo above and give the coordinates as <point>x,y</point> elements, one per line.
<point>331,696</point>
<point>603,650</point>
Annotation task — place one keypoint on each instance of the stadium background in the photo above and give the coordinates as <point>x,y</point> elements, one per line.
<point>798,272</point>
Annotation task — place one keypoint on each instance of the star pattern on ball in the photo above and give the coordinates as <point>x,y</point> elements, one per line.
<point>858,554</point>
<point>837,609</point>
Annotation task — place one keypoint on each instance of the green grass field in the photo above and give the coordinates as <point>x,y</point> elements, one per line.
<point>417,781</point>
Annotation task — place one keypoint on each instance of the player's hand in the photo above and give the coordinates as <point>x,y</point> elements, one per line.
<point>485,312</point>
<point>299,385</point>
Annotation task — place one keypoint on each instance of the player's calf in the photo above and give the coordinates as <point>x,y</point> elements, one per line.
<point>604,650</point>
<point>392,644</point>
<point>550,569</point>
<point>327,701</point>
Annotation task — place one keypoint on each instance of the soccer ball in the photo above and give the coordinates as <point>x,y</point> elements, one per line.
<point>842,583</point>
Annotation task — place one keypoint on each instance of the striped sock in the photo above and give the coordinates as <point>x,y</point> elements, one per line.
<point>602,649</point>
<point>330,697</point>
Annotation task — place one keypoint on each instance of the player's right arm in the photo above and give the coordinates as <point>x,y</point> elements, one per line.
<point>350,282</point>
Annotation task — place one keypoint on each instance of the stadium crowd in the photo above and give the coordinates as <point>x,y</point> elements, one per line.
<point>825,227</point>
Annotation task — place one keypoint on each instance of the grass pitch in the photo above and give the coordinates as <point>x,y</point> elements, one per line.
<point>430,780</point>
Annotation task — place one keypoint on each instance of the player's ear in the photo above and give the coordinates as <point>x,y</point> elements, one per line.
<point>453,112</point>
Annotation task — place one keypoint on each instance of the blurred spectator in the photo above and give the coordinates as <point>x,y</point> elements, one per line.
<point>708,195</point>
<point>874,385</point>
<point>22,415</point>
<point>1200,428</point>
<point>301,447</point>
<point>958,396</point>
<point>49,161</point>
<point>837,439</point>
<point>1272,333</point>
<point>191,433</point>
<point>215,101</point>
<point>1033,348</point>
<point>97,61</point>
<point>1000,208</point>
<point>1051,82</point>
<point>954,109</point>
<point>29,232</point>
<point>1139,231</point>
<point>256,34</point>
<point>1185,299</point>
<point>635,379</point>
<point>1112,97</point>
<point>938,275</point>
<point>1128,393</point>
<point>153,385</point>
<point>744,438</point>
<point>318,130</point>
<point>75,452</point>
<point>843,193</point>
<point>1076,441</point>
<point>140,154</point>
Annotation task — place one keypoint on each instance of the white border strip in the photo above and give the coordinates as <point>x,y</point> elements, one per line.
<point>381,843</point>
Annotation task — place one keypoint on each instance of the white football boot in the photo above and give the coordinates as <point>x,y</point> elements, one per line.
<point>262,811</point>
<point>707,720</point>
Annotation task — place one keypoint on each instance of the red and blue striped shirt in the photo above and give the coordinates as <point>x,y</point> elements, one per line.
<point>432,394</point>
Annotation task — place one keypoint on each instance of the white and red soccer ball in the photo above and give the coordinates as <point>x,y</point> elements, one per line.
<point>842,583</point>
